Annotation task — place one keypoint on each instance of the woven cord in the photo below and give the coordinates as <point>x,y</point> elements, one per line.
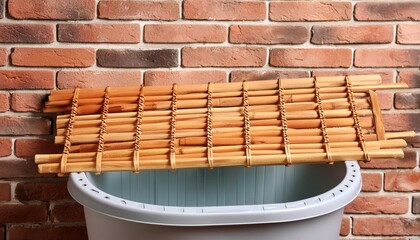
<point>247,125</point>
<point>210,126</point>
<point>324,132</point>
<point>102,131</point>
<point>69,131</point>
<point>137,136</point>
<point>283,118</point>
<point>357,126</point>
<point>173,128</point>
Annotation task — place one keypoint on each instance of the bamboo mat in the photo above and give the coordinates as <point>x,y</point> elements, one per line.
<point>281,121</point>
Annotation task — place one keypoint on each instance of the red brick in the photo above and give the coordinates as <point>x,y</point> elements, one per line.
<point>409,161</point>
<point>385,226</point>
<point>20,169</point>
<point>139,10</point>
<point>3,56</point>
<point>371,182</point>
<point>96,79</point>
<point>133,58</point>
<point>4,102</point>
<point>41,191</point>
<point>345,226</point>
<point>28,102</point>
<point>26,33</point>
<point>407,100</point>
<point>267,34</point>
<point>5,192</point>
<point>352,34</point>
<point>387,76</point>
<point>387,57</point>
<point>386,100</point>
<point>52,9</point>
<point>287,11</point>
<point>224,10</point>
<point>47,233</point>
<point>378,205</point>
<point>68,212</point>
<point>153,78</point>
<point>416,204</point>
<point>223,57</point>
<point>5,147</point>
<point>401,121</point>
<point>19,125</point>
<point>239,75</point>
<point>184,33</point>
<point>53,57</point>
<point>2,228</point>
<point>17,213</point>
<point>384,11</point>
<point>410,77</point>
<point>408,34</point>
<point>32,146</point>
<point>413,141</point>
<point>402,181</point>
<point>310,57</point>
<point>99,33</point>
<point>1,16</point>
<point>26,79</point>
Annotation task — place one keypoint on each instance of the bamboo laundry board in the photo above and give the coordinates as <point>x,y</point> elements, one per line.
<point>281,121</point>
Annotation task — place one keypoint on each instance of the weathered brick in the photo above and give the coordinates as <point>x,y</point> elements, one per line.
<point>4,102</point>
<point>26,33</point>
<point>1,16</point>
<point>52,9</point>
<point>410,77</point>
<point>19,125</point>
<point>371,182</point>
<point>387,57</point>
<point>378,205</point>
<point>310,57</point>
<point>223,57</point>
<point>41,191</point>
<point>47,232</point>
<point>397,181</point>
<point>239,75</point>
<point>139,10</point>
<point>387,76</point>
<point>345,226</point>
<point>386,100</point>
<point>28,102</point>
<point>96,79</point>
<point>413,141</point>
<point>53,57</point>
<point>286,11</point>
<point>184,33</point>
<point>3,56</point>
<point>5,147</point>
<point>20,169</point>
<point>267,34</point>
<point>68,212</point>
<point>416,204</point>
<point>401,121</point>
<point>5,194</point>
<point>407,100</point>
<point>128,58</point>
<point>26,79</point>
<point>408,34</point>
<point>32,146</point>
<point>17,213</point>
<point>99,33</point>
<point>384,11</point>
<point>224,10</point>
<point>352,34</point>
<point>409,161</point>
<point>153,78</point>
<point>385,226</point>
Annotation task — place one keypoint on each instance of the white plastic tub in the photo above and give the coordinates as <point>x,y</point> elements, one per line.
<point>269,202</point>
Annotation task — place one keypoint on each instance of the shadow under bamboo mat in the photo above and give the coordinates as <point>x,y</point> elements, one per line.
<point>271,122</point>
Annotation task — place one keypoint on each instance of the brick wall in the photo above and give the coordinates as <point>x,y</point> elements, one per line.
<point>54,44</point>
